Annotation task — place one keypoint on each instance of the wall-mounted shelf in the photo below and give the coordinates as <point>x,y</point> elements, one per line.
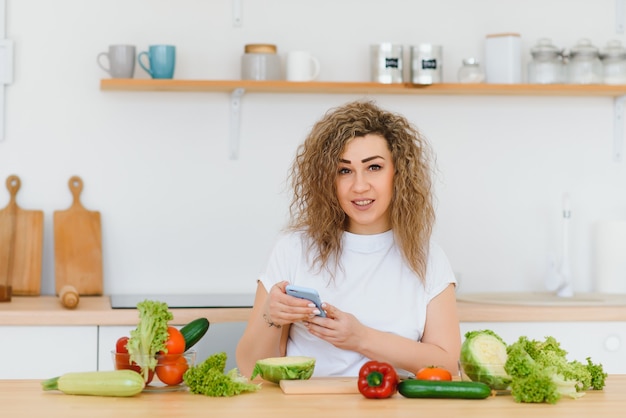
<point>237,88</point>
<point>329,87</point>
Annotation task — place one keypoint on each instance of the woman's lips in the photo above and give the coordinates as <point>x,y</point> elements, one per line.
<point>362,204</point>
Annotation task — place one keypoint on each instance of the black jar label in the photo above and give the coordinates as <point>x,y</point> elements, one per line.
<point>430,64</point>
<point>391,62</point>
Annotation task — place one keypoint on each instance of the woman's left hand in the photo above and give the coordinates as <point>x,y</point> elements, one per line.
<point>339,328</point>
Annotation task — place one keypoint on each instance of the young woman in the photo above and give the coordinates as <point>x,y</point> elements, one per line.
<point>360,234</point>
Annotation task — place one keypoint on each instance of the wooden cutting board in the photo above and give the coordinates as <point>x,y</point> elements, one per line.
<point>78,246</point>
<point>21,244</point>
<point>320,385</point>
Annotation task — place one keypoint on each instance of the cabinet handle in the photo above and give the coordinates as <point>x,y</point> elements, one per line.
<point>612,343</point>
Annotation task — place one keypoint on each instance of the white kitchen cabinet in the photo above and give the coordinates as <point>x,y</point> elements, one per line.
<point>604,342</point>
<point>41,352</point>
<point>221,336</point>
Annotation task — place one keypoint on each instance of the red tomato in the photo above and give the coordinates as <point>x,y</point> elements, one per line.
<point>120,345</point>
<point>171,372</point>
<point>122,359</point>
<point>175,343</point>
<point>433,373</point>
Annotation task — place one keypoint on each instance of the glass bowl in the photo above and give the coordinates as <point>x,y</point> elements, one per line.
<point>492,375</point>
<point>168,373</point>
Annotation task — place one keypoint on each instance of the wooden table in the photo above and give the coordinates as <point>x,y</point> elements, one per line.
<point>25,398</point>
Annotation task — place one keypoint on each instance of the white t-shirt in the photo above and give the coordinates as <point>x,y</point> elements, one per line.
<point>374,284</point>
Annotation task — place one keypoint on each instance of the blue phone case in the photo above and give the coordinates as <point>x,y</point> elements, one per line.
<point>308,294</point>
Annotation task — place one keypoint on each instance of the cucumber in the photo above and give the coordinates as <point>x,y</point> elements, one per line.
<point>194,331</point>
<point>413,388</point>
<point>102,383</point>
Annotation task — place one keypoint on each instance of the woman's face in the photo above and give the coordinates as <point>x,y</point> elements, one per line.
<point>365,184</point>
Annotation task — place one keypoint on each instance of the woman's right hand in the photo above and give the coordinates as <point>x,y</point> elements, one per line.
<point>281,308</point>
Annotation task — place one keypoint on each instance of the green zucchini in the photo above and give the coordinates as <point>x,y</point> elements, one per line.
<point>414,388</point>
<point>102,383</point>
<point>194,331</point>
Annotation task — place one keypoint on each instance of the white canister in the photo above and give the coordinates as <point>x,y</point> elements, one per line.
<point>426,64</point>
<point>614,63</point>
<point>503,58</point>
<point>386,63</point>
<point>260,62</point>
<point>584,66</point>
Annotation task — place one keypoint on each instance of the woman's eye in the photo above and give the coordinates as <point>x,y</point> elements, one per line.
<point>344,170</point>
<point>374,167</point>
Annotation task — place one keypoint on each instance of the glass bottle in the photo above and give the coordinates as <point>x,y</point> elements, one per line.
<point>547,64</point>
<point>471,72</point>
<point>614,63</point>
<point>584,66</point>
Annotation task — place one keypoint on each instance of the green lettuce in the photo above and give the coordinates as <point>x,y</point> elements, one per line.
<point>150,335</point>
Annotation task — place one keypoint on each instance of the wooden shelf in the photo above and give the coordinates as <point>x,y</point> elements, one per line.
<point>327,87</point>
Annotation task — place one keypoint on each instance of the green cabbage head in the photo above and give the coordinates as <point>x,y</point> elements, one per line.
<point>483,355</point>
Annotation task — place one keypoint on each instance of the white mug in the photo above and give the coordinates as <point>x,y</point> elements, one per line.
<point>302,66</point>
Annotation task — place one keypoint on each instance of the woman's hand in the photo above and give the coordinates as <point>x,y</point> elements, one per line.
<point>282,309</point>
<point>339,328</point>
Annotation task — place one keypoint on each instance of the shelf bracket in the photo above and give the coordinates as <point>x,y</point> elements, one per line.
<point>618,128</point>
<point>237,21</point>
<point>620,15</point>
<point>6,65</point>
<point>235,121</point>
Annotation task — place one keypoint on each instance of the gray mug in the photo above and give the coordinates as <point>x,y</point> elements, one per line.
<point>121,60</point>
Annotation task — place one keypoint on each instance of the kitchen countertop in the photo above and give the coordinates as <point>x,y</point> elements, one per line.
<point>96,310</point>
<point>25,398</point>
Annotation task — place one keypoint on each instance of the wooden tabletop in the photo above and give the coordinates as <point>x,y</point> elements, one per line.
<point>25,398</point>
<point>96,310</point>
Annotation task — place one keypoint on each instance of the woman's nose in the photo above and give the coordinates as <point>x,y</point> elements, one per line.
<point>360,183</point>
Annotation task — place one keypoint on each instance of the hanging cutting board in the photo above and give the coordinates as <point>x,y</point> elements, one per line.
<point>21,244</point>
<point>320,385</point>
<point>78,246</point>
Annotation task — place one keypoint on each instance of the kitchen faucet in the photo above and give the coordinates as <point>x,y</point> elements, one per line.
<point>559,278</point>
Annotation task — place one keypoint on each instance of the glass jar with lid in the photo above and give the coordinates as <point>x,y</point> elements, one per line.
<point>546,66</point>
<point>260,62</point>
<point>471,72</point>
<point>614,63</point>
<point>584,66</point>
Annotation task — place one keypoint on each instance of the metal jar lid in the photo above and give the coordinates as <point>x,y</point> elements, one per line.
<point>613,50</point>
<point>260,49</point>
<point>545,50</point>
<point>584,48</point>
<point>470,62</point>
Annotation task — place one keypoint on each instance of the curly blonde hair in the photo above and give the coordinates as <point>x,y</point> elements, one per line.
<point>314,206</point>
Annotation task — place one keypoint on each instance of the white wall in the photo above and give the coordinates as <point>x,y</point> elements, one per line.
<point>179,216</point>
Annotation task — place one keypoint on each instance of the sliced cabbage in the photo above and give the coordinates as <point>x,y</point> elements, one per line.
<point>275,369</point>
<point>483,355</point>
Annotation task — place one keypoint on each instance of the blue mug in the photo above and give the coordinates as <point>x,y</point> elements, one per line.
<point>161,60</point>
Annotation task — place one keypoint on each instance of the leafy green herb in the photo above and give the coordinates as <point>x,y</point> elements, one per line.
<point>541,372</point>
<point>208,378</point>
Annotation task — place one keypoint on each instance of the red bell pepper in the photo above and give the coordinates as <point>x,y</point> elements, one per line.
<point>377,380</point>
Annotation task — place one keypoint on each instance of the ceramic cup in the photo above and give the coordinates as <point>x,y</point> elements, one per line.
<point>120,59</point>
<point>302,66</point>
<point>161,61</point>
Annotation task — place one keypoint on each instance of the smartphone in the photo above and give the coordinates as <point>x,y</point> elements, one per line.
<point>308,294</point>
